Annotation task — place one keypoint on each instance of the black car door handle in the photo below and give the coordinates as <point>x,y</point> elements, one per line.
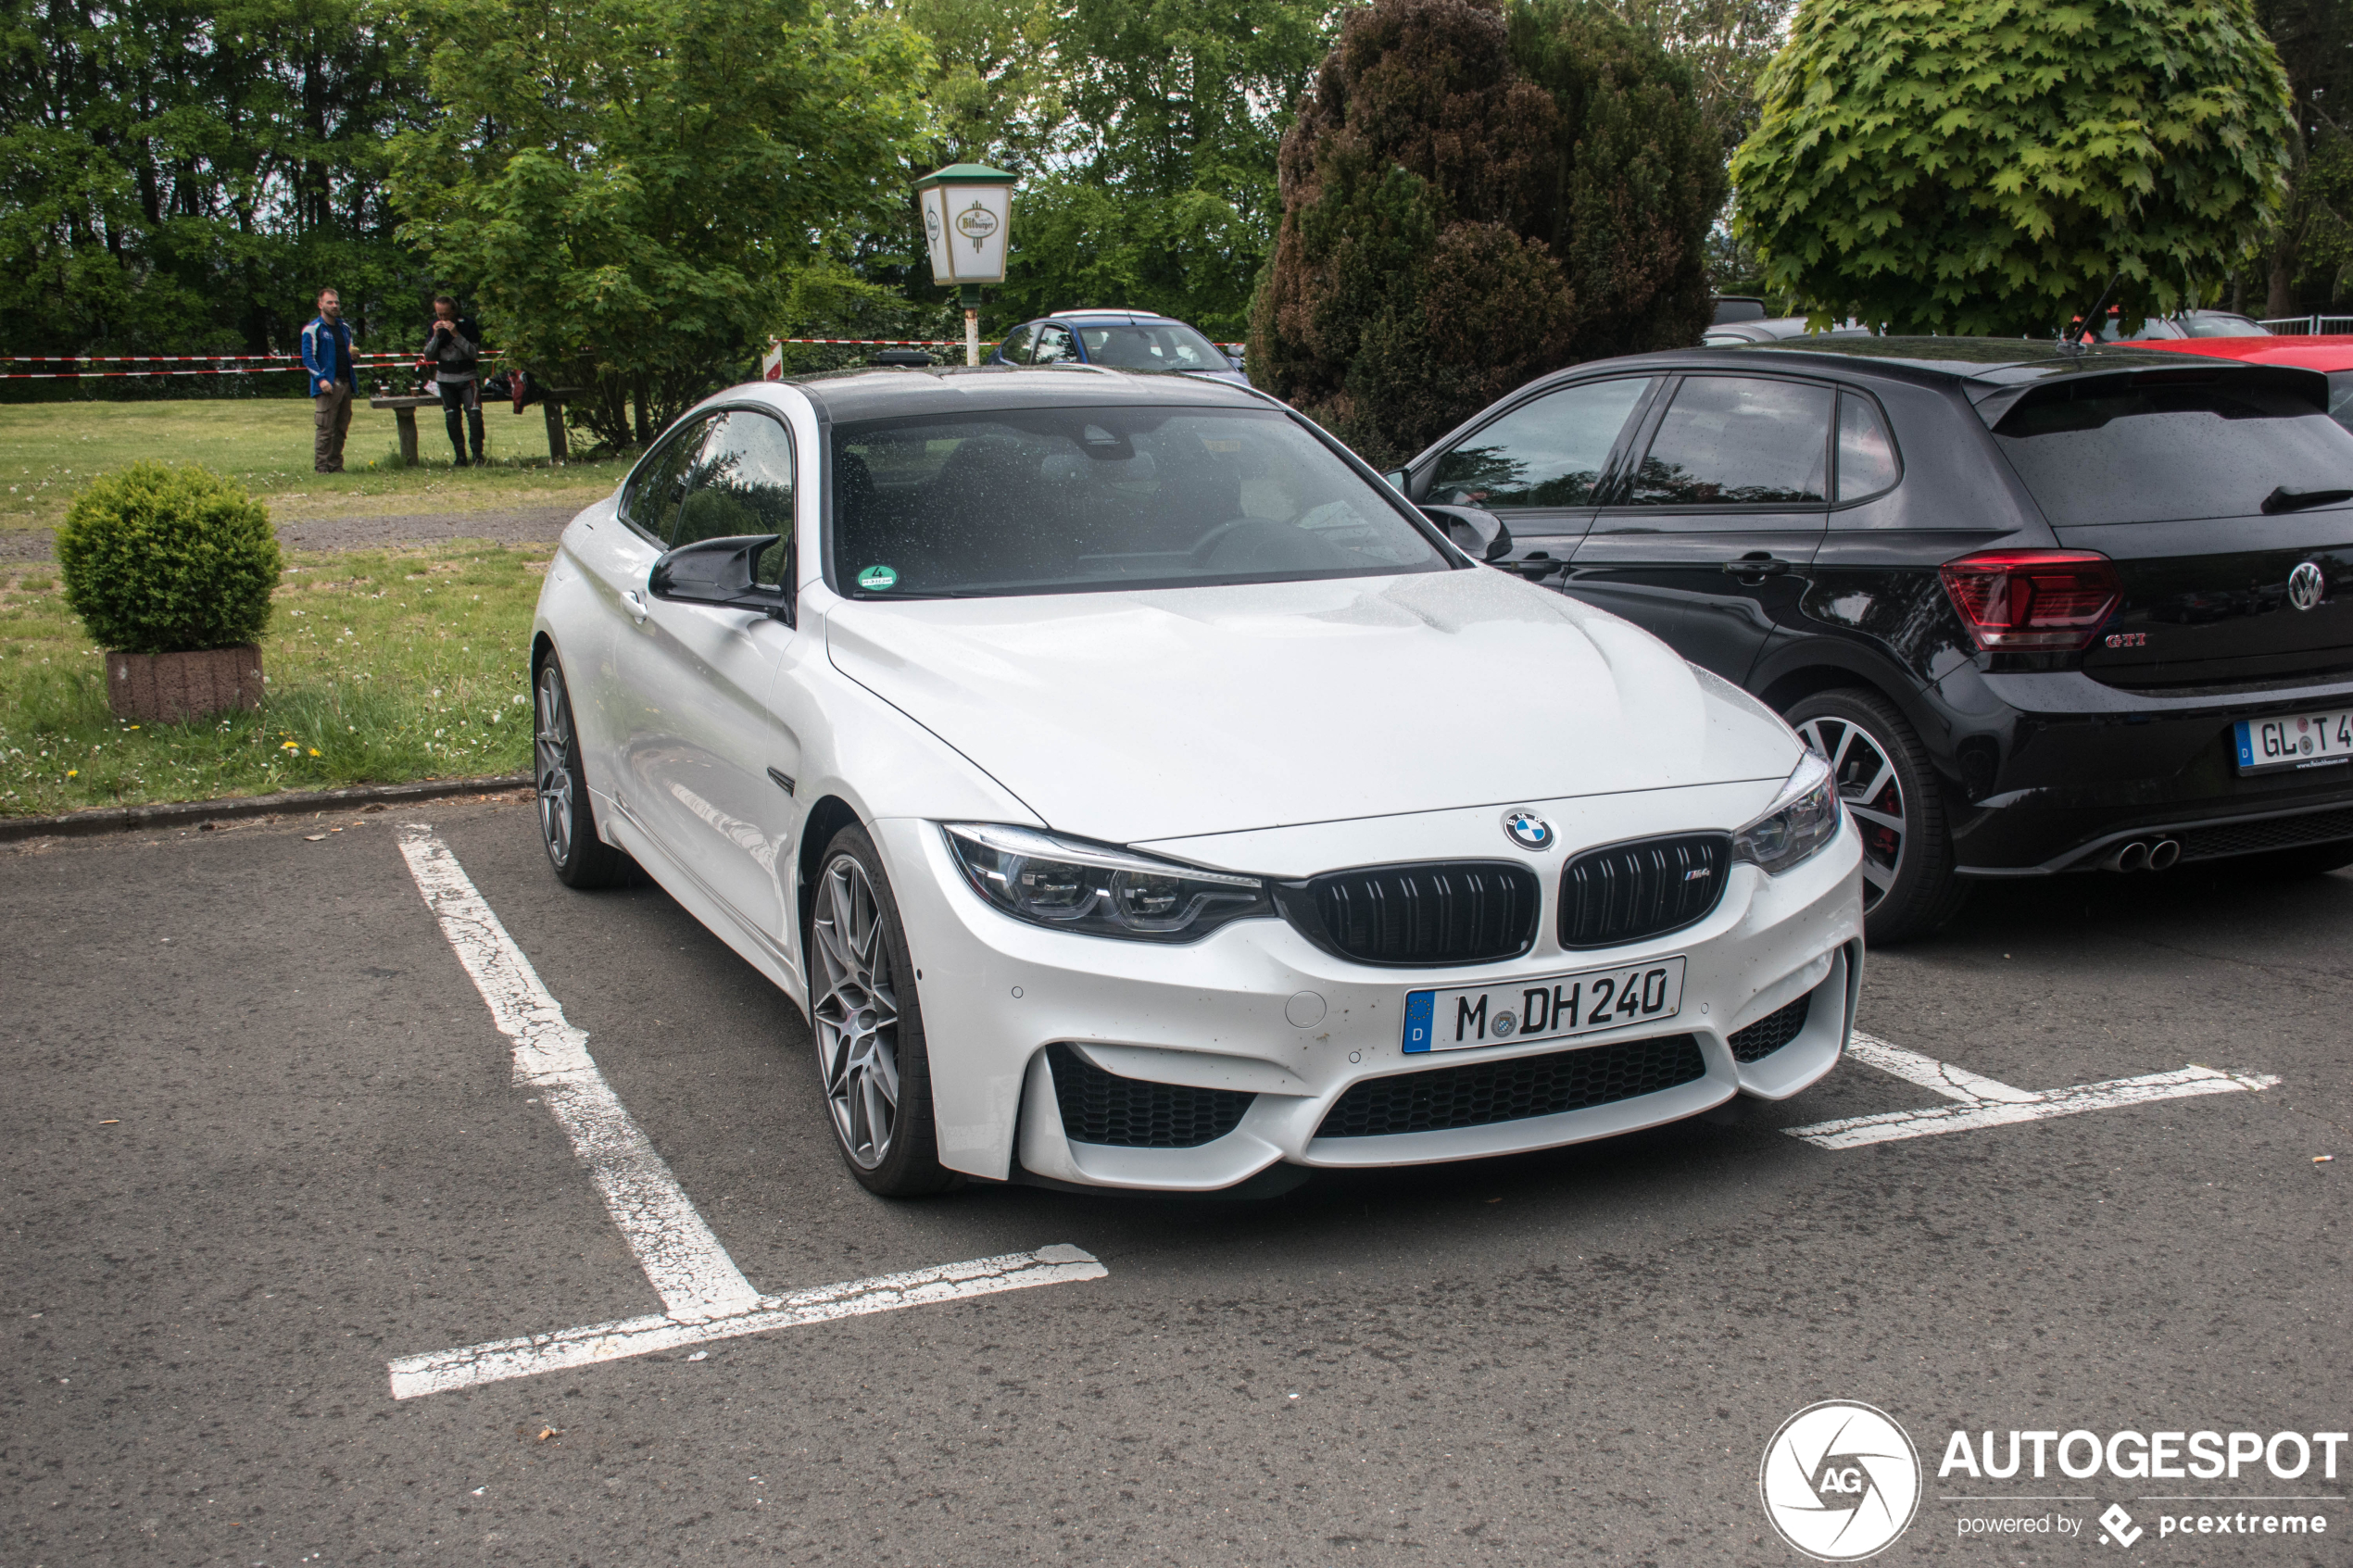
<point>1759,566</point>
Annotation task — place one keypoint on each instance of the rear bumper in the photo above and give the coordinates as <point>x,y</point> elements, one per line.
<point>2061,769</point>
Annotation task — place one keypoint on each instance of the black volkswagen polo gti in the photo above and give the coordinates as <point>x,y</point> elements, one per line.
<point>2045,612</point>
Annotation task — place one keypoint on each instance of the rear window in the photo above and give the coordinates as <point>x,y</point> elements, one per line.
<point>1157,345</point>
<point>2148,453</point>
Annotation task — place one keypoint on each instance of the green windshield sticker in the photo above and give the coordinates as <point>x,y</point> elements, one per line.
<point>875,579</point>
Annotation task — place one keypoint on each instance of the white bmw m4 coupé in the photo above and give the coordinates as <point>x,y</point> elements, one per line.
<point>1136,792</point>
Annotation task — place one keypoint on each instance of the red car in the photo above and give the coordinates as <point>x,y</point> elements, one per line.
<point>2333,354</point>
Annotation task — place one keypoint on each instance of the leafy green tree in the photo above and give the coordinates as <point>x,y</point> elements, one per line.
<point>1726,44</point>
<point>995,90</point>
<point>1161,190</point>
<point>1987,166</point>
<point>629,186</point>
<point>178,176</point>
<point>1469,202</point>
<point>2304,265</point>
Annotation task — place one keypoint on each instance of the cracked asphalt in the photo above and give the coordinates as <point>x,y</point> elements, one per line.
<point>258,1139</point>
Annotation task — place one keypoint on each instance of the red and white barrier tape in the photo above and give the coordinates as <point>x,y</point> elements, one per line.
<point>359,361</point>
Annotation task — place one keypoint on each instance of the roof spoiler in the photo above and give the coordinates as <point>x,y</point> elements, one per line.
<point>1994,400</point>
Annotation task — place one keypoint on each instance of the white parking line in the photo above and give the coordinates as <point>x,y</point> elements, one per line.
<point>704,1295</point>
<point>1982,1102</point>
<point>528,1356</point>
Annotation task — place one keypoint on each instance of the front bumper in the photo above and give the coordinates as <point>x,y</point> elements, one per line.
<point>1255,1008</point>
<point>2057,769</point>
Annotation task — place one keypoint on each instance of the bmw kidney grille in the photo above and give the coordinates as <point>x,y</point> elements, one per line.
<point>1424,915</point>
<point>1626,892</point>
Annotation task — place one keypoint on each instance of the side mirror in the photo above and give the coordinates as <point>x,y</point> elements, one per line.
<point>1480,533</point>
<point>1235,360</point>
<point>719,573</point>
<point>1398,478</point>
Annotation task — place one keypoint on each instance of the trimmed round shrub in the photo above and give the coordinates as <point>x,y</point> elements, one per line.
<point>164,559</point>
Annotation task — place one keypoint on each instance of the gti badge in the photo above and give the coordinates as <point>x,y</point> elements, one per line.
<point>1527,830</point>
<point>2305,586</point>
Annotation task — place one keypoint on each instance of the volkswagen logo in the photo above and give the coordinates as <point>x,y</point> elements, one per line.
<point>1840,1481</point>
<point>2305,586</point>
<point>1527,830</point>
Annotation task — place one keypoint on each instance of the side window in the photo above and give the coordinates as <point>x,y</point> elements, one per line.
<point>1548,453</point>
<point>1053,345</point>
<point>1729,441</point>
<point>1015,350</point>
<point>742,483</point>
<point>650,504</point>
<point>1865,453</point>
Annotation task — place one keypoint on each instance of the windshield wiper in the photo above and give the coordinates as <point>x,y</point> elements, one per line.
<point>2285,500</point>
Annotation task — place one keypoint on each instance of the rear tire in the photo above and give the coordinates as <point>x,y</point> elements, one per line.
<point>1893,795</point>
<point>567,819</point>
<point>869,1026</point>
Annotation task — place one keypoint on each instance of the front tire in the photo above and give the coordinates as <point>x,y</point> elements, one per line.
<point>567,819</point>
<point>1892,791</point>
<point>868,1025</point>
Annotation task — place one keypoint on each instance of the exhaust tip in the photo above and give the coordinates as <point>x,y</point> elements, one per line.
<point>2133,857</point>
<point>2163,853</point>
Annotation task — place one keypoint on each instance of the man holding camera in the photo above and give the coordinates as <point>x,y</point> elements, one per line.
<point>453,352</point>
<point>326,361</point>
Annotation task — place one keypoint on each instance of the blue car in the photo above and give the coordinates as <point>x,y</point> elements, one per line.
<point>1119,340</point>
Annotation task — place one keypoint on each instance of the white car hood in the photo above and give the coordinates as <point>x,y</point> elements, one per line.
<point>1166,713</point>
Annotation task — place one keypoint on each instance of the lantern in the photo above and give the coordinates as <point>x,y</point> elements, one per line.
<point>968,215</point>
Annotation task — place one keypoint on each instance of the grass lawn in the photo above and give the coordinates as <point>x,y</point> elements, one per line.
<point>50,450</point>
<point>381,667</point>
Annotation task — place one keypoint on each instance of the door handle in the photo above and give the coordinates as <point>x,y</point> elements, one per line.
<point>634,605</point>
<point>1759,566</point>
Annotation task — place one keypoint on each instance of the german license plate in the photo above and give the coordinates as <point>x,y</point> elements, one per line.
<point>1548,1008</point>
<point>2299,740</point>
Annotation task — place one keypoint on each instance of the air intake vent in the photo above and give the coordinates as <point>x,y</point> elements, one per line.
<point>1100,1107</point>
<point>1771,1032</point>
<point>1431,914</point>
<point>1626,892</point>
<point>1480,1093</point>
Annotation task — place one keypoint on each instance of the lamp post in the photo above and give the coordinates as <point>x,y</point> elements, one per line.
<point>968,212</point>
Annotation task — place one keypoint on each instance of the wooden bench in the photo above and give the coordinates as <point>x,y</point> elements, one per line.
<point>404,408</point>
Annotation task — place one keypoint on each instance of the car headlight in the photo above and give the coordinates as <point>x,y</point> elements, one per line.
<point>1803,818</point>
<point>1100,889</point>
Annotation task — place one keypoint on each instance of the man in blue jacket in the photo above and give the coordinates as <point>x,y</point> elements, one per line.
<point>326,359</point>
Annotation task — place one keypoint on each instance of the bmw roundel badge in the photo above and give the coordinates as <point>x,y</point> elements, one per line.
<point>1527,830</point>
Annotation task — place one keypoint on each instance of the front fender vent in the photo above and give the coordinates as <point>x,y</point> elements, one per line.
<point>1426,915</point>
<point>1771,1032</point>
<point>1103,1108</point>
<point>1626,892</point>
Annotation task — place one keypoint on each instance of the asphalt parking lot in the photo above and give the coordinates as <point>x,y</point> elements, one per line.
<point>262,1142</point>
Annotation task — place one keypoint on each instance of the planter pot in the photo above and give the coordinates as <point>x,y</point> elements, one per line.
<point>170,687</point>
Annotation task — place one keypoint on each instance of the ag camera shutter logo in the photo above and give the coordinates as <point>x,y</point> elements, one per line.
<point>1840,1481</point>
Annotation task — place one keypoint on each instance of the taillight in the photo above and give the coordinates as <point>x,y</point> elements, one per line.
<point>2034,600</point>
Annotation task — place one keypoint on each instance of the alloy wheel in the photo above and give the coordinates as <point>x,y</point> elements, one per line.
<point>551,747</point>
<point>857,1013</point>
<point>1873,793</point>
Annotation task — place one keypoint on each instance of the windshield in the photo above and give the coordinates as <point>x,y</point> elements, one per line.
<point>2216,323</point>
<point>1073,500</point>
<point>2166,453</point>
<point>1160,345</point>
